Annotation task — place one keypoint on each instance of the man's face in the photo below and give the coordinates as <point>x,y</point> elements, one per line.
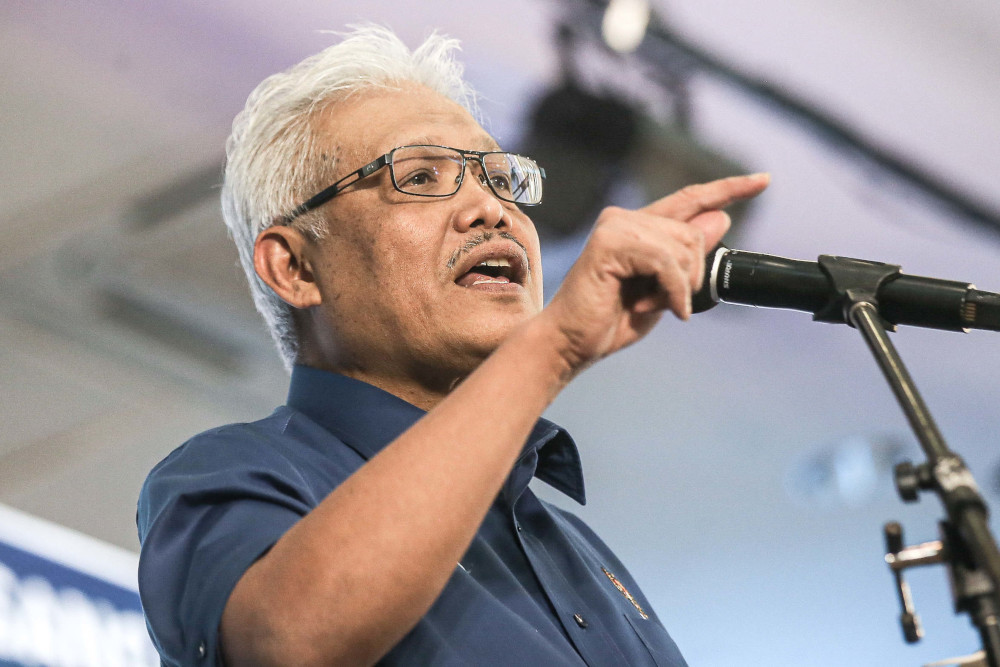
<point>402,298</point>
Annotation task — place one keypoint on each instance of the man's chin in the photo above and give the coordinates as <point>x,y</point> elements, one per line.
<point>502,295</point>
<point>474,345</point>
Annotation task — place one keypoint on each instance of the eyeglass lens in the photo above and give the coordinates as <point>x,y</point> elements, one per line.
<point>432,171</point>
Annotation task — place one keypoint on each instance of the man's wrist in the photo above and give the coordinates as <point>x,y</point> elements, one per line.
<point>540,349</point>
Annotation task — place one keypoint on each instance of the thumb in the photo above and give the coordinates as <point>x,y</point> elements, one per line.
<point>714,225</point>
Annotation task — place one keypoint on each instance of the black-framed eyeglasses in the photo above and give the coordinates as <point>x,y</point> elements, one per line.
<point>438,171</point>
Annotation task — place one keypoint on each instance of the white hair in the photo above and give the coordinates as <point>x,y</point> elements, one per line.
<point>273,154</point>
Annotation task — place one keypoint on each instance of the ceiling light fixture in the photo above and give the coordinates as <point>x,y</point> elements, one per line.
<point>624,24</point>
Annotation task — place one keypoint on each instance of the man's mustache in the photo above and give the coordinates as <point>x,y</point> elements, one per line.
<point>483,237</point>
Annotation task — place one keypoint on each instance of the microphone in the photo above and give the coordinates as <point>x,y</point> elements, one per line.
<point>828,286</point>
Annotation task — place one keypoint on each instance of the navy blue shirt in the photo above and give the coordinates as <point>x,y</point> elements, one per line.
<point>536,587</point>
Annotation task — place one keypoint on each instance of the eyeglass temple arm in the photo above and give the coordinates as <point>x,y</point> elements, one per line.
<point>323,196</point>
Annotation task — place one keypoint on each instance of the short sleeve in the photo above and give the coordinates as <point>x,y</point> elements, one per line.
<point>206,514</point>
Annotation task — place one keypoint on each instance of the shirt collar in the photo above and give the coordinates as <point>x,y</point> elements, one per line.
<point>367,419</point>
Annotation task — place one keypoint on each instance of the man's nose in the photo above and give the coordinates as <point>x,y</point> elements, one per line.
<point>477,206</point>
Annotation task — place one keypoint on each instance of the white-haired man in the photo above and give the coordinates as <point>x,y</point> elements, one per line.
<point>383,514</point>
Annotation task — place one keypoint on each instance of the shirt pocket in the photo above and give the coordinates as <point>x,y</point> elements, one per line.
<point>661,647</point>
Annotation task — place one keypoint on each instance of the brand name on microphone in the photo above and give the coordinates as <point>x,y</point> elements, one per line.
<point>726,272</point>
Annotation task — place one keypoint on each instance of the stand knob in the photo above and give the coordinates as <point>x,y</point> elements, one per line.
<point>912,630</point>
<point>910,479</point>
<point>893,537</point>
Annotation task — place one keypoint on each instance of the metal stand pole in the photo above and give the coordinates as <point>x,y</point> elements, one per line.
<point>967,545</point>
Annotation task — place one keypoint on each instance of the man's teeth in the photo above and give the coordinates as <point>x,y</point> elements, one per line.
<point>495,271</point>
<point>495,262</point>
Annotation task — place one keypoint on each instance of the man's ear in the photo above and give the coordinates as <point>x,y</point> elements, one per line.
<point>279,258</point>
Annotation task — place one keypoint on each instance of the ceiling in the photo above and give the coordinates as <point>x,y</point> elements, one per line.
<point>739,462</point>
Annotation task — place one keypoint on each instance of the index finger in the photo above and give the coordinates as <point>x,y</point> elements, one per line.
<point>694,199</point>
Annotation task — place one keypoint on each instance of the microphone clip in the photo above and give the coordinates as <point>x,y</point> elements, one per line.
<point>853,281</point>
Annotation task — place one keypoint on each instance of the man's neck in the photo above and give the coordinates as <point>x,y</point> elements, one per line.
<point>422,395</point>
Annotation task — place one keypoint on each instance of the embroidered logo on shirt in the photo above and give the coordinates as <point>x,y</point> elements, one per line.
<point>624,591</point>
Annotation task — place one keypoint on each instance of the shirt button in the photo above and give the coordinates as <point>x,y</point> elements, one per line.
<point>202,651</point>
<point>518,526</point>
<point>579,620</point>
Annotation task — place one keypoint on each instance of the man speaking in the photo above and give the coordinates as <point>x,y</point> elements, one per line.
<point>383,514</point>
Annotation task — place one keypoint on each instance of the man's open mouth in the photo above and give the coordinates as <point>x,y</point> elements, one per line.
<point>489,271</point>
<point>493,266</point>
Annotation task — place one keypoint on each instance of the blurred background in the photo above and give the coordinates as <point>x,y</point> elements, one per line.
<point>739,463</point>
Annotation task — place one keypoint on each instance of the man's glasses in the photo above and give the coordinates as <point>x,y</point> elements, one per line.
<point>438,171</point>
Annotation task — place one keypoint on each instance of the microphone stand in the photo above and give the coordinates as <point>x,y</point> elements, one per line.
<point>967,548</point>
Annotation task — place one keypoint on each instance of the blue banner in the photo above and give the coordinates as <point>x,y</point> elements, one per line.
<point>66,599</point>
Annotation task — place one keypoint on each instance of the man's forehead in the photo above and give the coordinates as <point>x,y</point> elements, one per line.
<point>452,127</point>
<point>377,121</point>
<point>481,141</point>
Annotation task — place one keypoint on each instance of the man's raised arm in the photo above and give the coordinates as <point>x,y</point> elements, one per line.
<point>350,579</point>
